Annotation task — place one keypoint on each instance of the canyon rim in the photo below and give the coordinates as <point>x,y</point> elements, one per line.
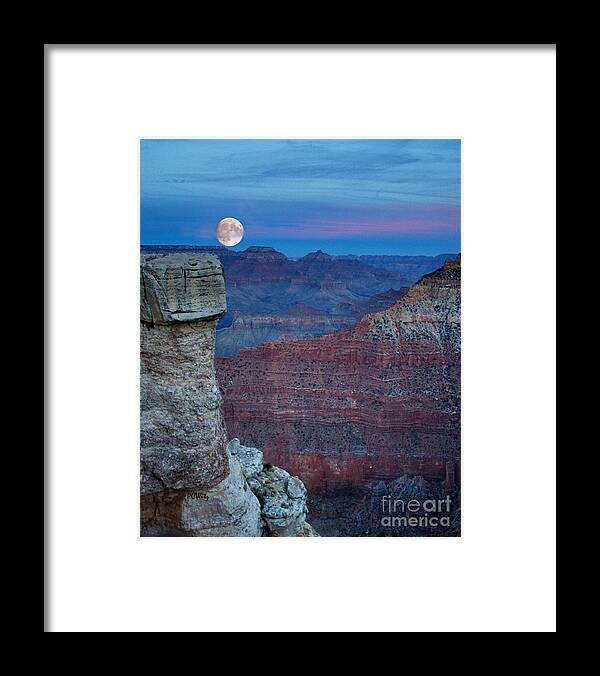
<point>306,381</point>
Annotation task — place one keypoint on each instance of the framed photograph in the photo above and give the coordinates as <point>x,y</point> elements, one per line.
<point>300,364</point>
<point>295,357</point>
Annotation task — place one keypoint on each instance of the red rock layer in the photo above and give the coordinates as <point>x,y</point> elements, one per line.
<point>372,402</point>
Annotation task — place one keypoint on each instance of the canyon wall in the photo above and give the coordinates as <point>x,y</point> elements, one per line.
<point>369,403</point>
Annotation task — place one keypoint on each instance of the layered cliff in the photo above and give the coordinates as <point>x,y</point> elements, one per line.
<point>192,484</point>
<point>368,403</point>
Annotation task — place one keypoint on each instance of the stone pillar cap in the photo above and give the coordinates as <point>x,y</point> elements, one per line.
<point>180,287</point>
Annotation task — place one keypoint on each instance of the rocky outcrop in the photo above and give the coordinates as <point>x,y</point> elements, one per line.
<point>362,405</point>
<point>181,288</point>
<point>282,497</point>
<point>189,483</point>
<point>429,314</point>
<point>193,483</point>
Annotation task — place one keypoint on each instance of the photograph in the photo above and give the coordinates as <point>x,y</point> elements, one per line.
<point>300,338</point>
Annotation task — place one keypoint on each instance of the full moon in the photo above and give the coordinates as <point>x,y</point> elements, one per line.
<point>230,231</point>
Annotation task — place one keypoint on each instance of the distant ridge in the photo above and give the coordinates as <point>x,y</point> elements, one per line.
<point>387,261</point>
<point>318,256</point>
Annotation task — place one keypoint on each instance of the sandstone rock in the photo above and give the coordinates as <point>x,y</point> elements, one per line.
<point>283,514</point>
<point>283,519</point>
<point>181,288</point>
<point>250,459</point>
<point>295,488</point>
<point>228,509</point>
<point>429,313</point>
<point>234,446</point>
<point>190,485</point>
<point>182,431</point>
<point>282,497</point>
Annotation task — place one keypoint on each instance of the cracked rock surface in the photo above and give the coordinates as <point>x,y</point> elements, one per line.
<point>282,497</point>
<point>189,483</point>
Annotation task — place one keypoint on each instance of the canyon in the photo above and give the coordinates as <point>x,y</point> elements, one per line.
<point>359,407</point>
<point>333,425</point>
<point>272,297</point>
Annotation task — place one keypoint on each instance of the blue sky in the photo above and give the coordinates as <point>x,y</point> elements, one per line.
<point>341,196</point>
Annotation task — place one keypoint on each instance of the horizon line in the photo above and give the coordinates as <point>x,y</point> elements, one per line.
<point>266,246</point>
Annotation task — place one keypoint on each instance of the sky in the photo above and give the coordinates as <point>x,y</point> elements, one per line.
<point>341,196</point>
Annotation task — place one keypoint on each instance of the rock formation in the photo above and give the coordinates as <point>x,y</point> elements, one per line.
<point>282,497</point>
<point>361,405</point>
<point>192,482</point>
